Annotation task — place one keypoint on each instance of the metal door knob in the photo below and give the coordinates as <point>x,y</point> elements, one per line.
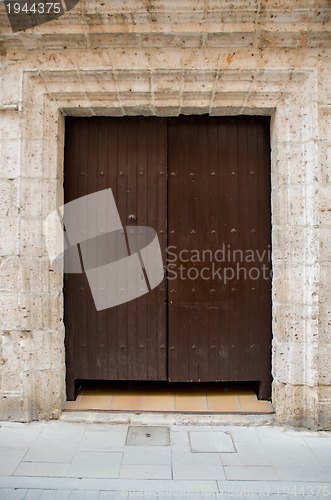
<point>132,217</point>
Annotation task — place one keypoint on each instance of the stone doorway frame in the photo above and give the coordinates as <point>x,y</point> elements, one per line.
<point>289,97</point>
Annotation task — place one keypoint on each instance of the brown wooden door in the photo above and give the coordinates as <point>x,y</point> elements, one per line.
<point>219,201</point>
<point>128,155</point>
<point>203,184</point>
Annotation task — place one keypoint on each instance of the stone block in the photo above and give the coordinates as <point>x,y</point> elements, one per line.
<point>324,205</point>
<point>9,239</point>
<point>295,205</point>
<point>325,324</point>
<point>6,201</point>
<point>32,161</point>
<point>324,123</point>
<point>32,243</point>
<point>10,125</point>
<point>295,284</point>
<point>21,311</point>
<point>324,393</point>
<point>298,323</point>
<point>11,353</point>
<point>295,164</point>
<point>324,244</point>
<point>295,364</point>
<point>294,121</point>
<point>296,405</point>
<point>325,284</point>
<point>11,381</point>
<point>295,245</point>
<point>10,275</point>
<point>324,415</point>
<point>10,158</point>
<point>323,83</point>
<point>324,363</point>
<point>43,349</point>
<point>45,387</point>
<point>38,197</point>
<point>13,407</point>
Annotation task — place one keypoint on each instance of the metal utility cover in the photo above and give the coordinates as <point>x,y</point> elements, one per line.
<point>148,436</point>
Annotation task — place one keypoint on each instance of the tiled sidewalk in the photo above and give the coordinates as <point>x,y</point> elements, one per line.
<point>59,460</point>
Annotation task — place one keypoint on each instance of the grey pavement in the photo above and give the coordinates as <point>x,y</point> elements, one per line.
<point>76,461</point>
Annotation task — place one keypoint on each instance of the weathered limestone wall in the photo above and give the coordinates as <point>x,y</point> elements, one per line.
<point>168,58</point>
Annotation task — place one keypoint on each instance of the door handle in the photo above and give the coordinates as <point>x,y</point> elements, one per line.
<point>132,218</point>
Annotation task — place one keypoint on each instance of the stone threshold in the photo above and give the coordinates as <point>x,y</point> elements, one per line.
<point>147,418</point>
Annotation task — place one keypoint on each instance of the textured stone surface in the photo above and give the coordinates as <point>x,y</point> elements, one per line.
<point>165,59</point>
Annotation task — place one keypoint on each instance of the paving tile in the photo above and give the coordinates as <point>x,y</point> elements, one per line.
<point>214,442</point>
<point>191,402</point>
<point>200,496</point>
<point>145,455</point>
<point>13,494</point>
<point>241,497</point>
<point>250,448</point>
<point>85,495</point>
<point>223,403</point>
<point>299,467</point>
<point>245,459</point>
<point>275,441</point>
<point>51,450</point>
<point>147,494</point>
<point>62,495</point>
<point>103,441</point>
<point>159,402</point>
<point>200,466</point>
<point>88,402</point>
<point>112,427</point>
<point>47,495</point>
<point>5,492</point>
<point>35,469</point>
<point>250,473</point>
<point>146,471</point>
<point>242,433</point>
<point>62,430</point>
<point>95,464</point>
<point>126,402</point>
<point>194,428</point>
<point>179,441</point>
<point>114,495</point>
<point>10,458</point>
<point>33,495</point>
<point>321,448</point>
<point>18,437</point>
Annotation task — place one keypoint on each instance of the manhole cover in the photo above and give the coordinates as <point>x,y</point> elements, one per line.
<point>148,436</point>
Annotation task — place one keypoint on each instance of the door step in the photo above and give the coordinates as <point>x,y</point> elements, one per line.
<point>148,418</point>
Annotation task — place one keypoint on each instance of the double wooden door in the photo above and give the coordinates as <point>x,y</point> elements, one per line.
<point>203,184</point>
